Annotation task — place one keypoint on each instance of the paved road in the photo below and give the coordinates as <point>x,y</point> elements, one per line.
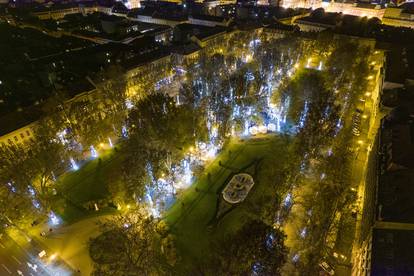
<point>71,243</point>
<point>13,259</point>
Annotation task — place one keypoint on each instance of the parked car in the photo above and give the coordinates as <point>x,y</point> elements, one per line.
<point>327,268</point>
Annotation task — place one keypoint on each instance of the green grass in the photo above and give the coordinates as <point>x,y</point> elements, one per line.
<point>195,208</point>
<point>88,184</point>
<point>191,222</point>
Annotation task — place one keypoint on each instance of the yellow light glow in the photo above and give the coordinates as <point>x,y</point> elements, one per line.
<point>296,66</point>
<point>371,77</point>
<point>364,116</point>
<point>101,145</point>
<point>360,142</point>
<point>368,94</point>
<point>325,4</point>
<point>128,206</point>
<point>248,58</point>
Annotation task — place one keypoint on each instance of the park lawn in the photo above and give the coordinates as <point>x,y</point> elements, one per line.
<point>88,184</point>
<point>189,222</point>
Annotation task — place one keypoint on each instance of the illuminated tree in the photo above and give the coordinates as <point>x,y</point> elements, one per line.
<point>17,201</point>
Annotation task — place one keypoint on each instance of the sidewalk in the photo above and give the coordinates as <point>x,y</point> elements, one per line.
<point>362,162</point>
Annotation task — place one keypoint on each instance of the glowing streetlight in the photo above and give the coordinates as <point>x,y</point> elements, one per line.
<point>52,257</point>
<point>248,58</point>
<point>253,130</point>
<point>94,153</point>
<point>271,127</point>
<point>262,129</point>
<point>308,63</point>
<point>75,166</point>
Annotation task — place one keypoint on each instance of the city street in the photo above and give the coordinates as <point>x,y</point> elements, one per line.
<point>13,259</point>
<point>71,243</point>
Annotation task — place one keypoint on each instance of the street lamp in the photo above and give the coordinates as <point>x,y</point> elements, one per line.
<point>52,257</point>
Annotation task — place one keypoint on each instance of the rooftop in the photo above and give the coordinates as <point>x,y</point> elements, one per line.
<point>185,49</point>
<point>400,64</point>
<point>399,142</point>
<point>108,28</point>
<point>392,252</point>
<point>396,179</point>
<point>18,119</point>
<point>329,18</point>
<point>29,65</point>
<point>208,17</point>
<point>139,52</point>
<point>168,13</point>
<point>407,7</point>
<point>53,6</point>
<point>395,197</point>
<point>280,26</point>
<point>368,5</point>
<point>170,16</point>
<point>200,31</point>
